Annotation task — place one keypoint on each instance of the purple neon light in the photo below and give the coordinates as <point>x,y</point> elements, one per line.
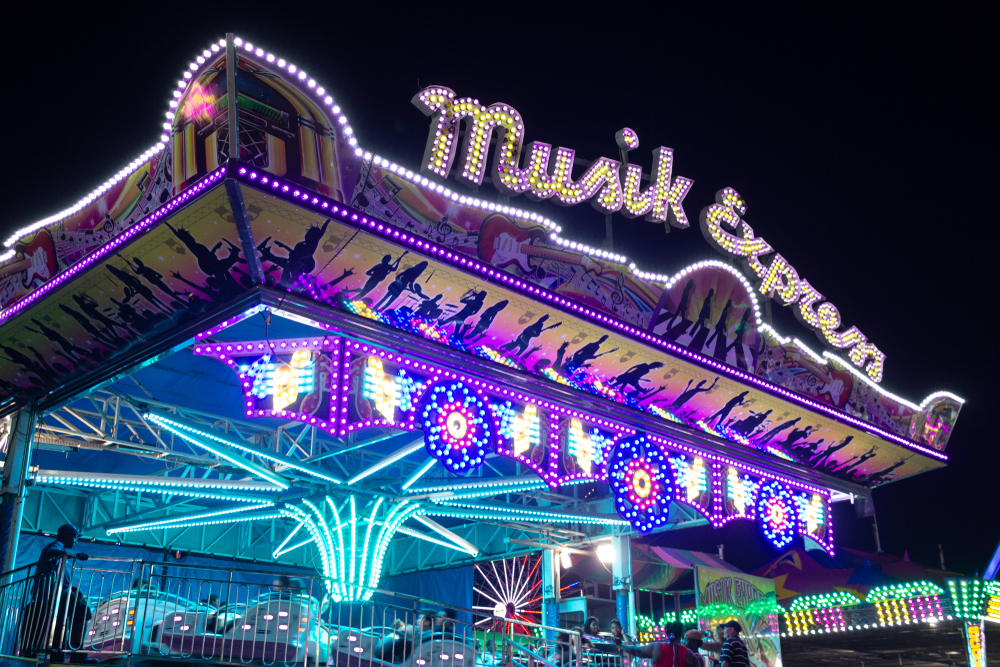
<point>325,205</point>
<point>225,324</point>
<point>408,425</point>
<point>191,193</point>
<point>719,462</point>
<point>556,414</point>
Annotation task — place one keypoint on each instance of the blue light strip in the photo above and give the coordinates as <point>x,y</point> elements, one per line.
<point>200,438</point>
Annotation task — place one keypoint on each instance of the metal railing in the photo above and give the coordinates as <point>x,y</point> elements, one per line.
<point>137,611</point>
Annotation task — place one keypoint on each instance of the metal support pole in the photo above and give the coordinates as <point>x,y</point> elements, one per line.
<point>234,116</point>
<point>621,570</point>
<point>236,202</point>
<point>15,473</point>
<point>551,584</point>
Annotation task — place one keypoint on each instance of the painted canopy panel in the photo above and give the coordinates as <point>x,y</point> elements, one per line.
<point>175,271</point>
<point>284,131</point>
<point>714,301</point>
<point>292,127</point>
<point>336,264</point>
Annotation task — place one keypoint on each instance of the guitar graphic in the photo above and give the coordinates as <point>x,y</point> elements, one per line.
<point>39,259</point>
<point>502,243</point>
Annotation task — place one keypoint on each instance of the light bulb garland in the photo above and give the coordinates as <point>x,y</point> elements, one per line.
<point>778,515</point>
<point>638,475</point>
<point>458,426</point>
<point>310,87</point>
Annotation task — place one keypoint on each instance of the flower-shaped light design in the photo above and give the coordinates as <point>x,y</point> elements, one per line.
<point>458,427</point>
<point>778,516</point>
<point>638,474</point>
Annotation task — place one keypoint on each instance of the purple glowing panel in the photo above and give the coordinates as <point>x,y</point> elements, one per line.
<point>379,390</point>
<point>291,378</point>
<point>523,435</point>
<point>490,274</point>
<point>171,206</point>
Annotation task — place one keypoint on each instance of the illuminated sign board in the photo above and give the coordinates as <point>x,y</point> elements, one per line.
<point>547,174</point>
<point>780,281</point>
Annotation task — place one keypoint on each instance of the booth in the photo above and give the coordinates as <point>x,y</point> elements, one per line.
<point>306,355</point>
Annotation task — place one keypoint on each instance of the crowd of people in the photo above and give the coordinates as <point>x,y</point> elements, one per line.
<point>724,648</point>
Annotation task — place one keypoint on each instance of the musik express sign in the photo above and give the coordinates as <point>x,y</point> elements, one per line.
<point>548,174</point>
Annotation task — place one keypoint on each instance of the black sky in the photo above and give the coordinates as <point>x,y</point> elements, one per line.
<point>863,140</point>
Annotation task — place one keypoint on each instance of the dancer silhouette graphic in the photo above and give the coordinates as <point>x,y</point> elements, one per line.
<point>634,376</point>
<point>473,301</point>
<point>701,324</point>
<point>301,258</point>
<point>581,358</point>
<point>724,411</point>
<point>376,275</point>
<point>405,281</point>
<point>484,323</point>
<point>690,393</point>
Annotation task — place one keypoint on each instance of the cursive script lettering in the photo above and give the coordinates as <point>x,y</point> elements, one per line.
<point>780,281</point>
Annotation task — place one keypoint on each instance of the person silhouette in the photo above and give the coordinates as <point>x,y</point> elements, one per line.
<point>843,469</point>
<point>746,427</point>
<point>559,355</point>
<point>473,303</point>
<point>429,309</point>
<point>634,376</point>
<point>724,411</point>
<point>376,275</point>
<point>484,323</point>
<point>300,260</point>
<point>97,334</point>
<point>72,350</point>
<point>25,362</point>
<point>822,458</point>
<point>741,329</point>
<point>333,283</point>
<point>404,282</point>
<point>719,334</point>
<point>90,308</point>
<point>795,436</point>
<point>523,339</point>
<point>882,476</point>
<point>783,426</point>
<point>151,276</point>
<point>216,270</point>
<point>690,393</point>
<point>701,324</point>
<point>682,307</point>
<point>587,353</point>
<point>134,286</point>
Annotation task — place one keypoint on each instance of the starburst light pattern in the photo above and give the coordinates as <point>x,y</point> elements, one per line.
<point>512,586</point>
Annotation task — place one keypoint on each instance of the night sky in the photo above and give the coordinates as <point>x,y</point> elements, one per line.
<point>863,143</point>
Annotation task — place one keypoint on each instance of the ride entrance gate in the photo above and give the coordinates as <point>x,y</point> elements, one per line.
<point>305,354</point>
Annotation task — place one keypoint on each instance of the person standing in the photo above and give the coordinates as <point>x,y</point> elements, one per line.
<point>734,651</point>
<point>665,654</point>
<point>54,576</point>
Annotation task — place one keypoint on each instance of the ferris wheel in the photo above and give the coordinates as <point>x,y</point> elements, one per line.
<point>509,589</point>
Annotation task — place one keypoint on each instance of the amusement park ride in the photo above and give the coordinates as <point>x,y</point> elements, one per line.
<point>303,353</point>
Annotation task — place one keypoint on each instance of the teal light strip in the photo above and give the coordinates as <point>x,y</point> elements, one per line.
<point>222,439</point>
<point>421,471</point>
<point>196,519</point>
<point>169,490</point>
<point>495,513</point>
<point>199,438</point>
<point>387,461</point>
